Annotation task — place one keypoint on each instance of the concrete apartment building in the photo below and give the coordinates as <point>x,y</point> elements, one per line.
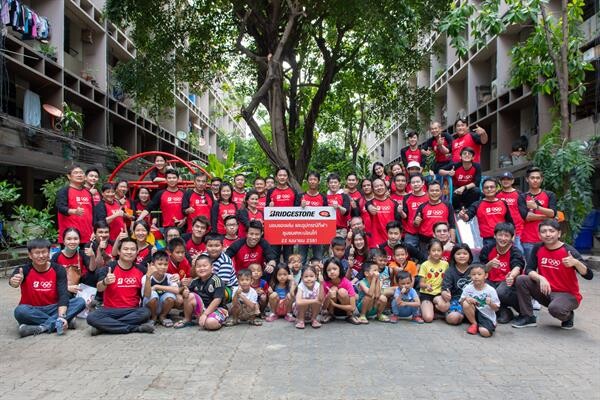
<point>87,49</point>
<point>476,87</point>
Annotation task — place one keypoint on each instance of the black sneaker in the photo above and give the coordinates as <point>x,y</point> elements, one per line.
<point>525,322</point>
<point>146,328</point>
<point>568,324</point>
<point>72,324</point>
<point>30,330</point>
<point>94,331</point>
<point>505,315</point>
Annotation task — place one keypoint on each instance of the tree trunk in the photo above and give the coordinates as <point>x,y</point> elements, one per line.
<point>565,126</point>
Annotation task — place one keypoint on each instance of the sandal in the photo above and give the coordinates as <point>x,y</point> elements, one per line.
<point>383,318</point>
<point>255,322</point>
<point>231,322</point>
<point>300,324</point>
<point>315,324</point>
<point>326,318</point>
<point>183,324</point>
<point>363,320</point>
<point>353,320</point>
<point>166,322</point>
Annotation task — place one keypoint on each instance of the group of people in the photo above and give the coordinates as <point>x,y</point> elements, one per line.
<point>396,254</point>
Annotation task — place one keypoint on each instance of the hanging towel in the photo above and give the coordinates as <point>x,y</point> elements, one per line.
<point>32,112</point>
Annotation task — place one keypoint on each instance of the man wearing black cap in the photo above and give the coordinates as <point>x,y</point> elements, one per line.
<point>511,196</point>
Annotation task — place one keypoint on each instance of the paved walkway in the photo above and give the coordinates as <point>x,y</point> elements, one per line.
<point>339,361</point>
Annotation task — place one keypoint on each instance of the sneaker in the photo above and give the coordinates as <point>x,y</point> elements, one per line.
<point>289,317</point>
<point>536,305</point>
<point>72,324</point>
<point>94,331</point>
<point>147,327</point>
<point>505,315</point>
<point>272,317</point>
<point>417,319</point>
<point>394,319</point>
<point>568,324</point>
<point>383,318</point>
<point>473,329</point>
<point>525,322</point>
<point>30,330</point>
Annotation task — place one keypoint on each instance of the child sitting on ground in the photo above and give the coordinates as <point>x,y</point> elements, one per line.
<point>260,285</point>
<point>160,291</point>
<point>282,298</point>
<point>295,267</point>
<point>178,262</point>
<point>309,298</point>
<point>406,303</point>
<point>480,303</point>
<point>371,301</point>
<point>456,278</point>
<point>431,275</point>
<point>244,305</point>
<point>340,297</point>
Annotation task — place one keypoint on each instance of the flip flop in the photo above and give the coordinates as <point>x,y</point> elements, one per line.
<point>167,323</point>
<point>255,322</point>
<point>353,320</point>
<point>183,324</point>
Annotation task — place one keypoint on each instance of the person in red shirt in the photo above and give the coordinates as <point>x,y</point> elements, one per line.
<point>179,263</point>
<point>413,151</point>
<point>102,244</point>
<point>261,187</point>
<point>358,251</point>
<point>141,203</point>
<point>249,212</point>
<point>45,305</point>
<point>282,195</point>
<point>222,208</point>
<point>75,205</point>
<point>367,191</point>
<point>231,230</point>
<point>169,201</point>
<point>340,201</point>
<point>158,174</point>
<point>465,139</point>
<point>141,231</point>
<point>410,205</point>
<point>215,187</point>
<point>195,242</point>
<point>489,211</point>
<point>396,169</point>
<point>353,192</point>
<point>238,195</point>
<point>197,201</point>
<point>78,261</point>
<point>466,177</point>
<point>109,210</point>
<point>311,198</point>
<point>432,212</point>
<point>551,278</point>
<point>535,206</point>
<point>92,175</point>
<point>253,249</point>
<point>122,196</point>
<point>511,196</point>
<point>399,186</point>
<point>505,263</point>
<point>382,210</point>
<point>440,144</point>
<point>121,283</point>
<point>379,172</point>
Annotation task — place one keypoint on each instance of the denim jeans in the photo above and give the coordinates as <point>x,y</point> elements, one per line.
<point>412,240</point>
<point>46,316</point>
<point>316,249</point>
<point>527,249</point>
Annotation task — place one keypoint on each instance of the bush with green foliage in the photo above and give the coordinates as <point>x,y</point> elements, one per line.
<point>50,188</point>
<point>29,223</point>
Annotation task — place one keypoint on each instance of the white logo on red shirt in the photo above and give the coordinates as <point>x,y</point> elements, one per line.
<point>435,212</point>
<point>550,262</point>
<point>493,210</point>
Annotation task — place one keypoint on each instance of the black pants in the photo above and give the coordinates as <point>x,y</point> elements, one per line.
<point>118,320</point>
<point>560,304</point>
<point>465,199</point>
<point>506,294</point>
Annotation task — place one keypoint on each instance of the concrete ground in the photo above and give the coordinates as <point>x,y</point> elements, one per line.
<point>338,361</point>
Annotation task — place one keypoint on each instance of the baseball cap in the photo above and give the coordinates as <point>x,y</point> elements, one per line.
<point>507,175</point>
<point>413,164</point>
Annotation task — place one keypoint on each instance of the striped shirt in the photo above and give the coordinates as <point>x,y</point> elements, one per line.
<point>223,268</point>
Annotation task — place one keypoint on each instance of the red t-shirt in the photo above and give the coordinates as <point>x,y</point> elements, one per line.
<point>39,288</point>
<point>125,292</point>
<point>385,213</point>
<point>364,214</point>
<point>262,203</point>
<point>312,201</point>
<point>75,259</point>
<point>489,214</point>
<point>194,249</point>
<point>223,211</point>
<point>410,207</point>
<point>432,214</point>
<point>550,266</point>
<point>143,254</point>
<point>228,242</point>
<point>238,198</point>
<point>246,256</point>
<point>341,220</point>
<point>256,216</point>
<point>84,223</point>
<point>512,201</point>
<point>413,155</point>
<point>202,204</point>
<point>170,204</point>
<point>499,274</point>
<point>467,140</point>
<point>463,177</point>
<point>117,224</point>
<point>182,268</point>
<point>283,197</point>
<point>530,228</point>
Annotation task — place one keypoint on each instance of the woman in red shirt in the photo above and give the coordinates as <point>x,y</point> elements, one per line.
<point>250,212</point>
<point>222,208</point>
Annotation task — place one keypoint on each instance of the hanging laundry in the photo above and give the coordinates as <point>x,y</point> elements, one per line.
<point>32,112</point>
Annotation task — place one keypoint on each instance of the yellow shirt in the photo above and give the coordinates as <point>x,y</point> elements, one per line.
<point>433,274</point>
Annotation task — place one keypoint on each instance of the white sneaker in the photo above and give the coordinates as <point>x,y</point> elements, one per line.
<point>536,306</point>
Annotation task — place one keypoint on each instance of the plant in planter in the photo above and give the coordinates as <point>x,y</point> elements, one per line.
<point>71,121</point>
<point>116,157</point>
<point>9,193</point>
<point>48,50</point>
<point>29,223</point>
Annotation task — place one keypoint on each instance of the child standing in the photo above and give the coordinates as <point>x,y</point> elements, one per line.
<point>339,292</point>
<point>309,298</point>
<point>282,298</point>
<point>456,278</point>
<point>406,302</point>
<point>431,275</point>
<point>480,303</point>
<point>260,286</point>
<point>244,305</point>
<point>371,302</point>
<point>295,266</point>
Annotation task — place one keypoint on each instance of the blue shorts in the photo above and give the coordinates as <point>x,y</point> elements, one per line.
<point>160,297</point>
<point>455,306</point>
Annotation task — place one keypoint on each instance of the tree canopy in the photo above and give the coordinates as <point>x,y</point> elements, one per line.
<point>290,54</point>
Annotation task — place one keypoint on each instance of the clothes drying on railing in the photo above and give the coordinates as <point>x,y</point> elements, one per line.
<point>23,19</point>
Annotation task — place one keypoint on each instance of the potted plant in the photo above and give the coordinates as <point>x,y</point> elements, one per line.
<point>72,121</point>
<point>9,193</point>
<point>48,50</point>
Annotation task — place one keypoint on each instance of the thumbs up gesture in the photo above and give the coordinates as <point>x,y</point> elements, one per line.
<point>494,262</point>
<point>110,278</point>
<point>418,220</point>
<point>463,214</point>
<point>452,171</point>
<point>123,234</point>
<point>479,130</point>
<point>569,261</point>
<point>17,278</point>
<point>88,251</point>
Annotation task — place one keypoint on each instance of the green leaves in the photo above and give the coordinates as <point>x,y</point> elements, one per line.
<point>29,223</point>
